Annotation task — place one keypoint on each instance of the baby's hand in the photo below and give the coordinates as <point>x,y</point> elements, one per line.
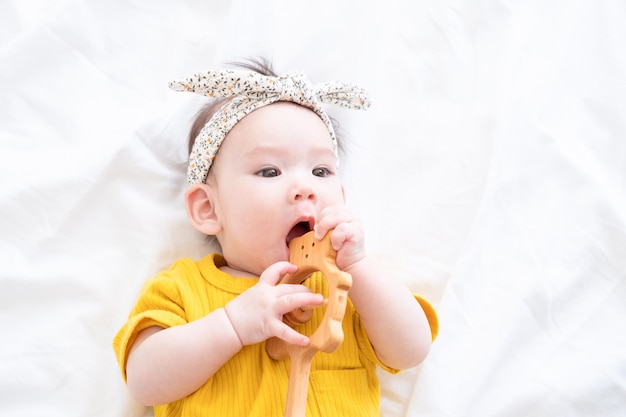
<point>257,314</point>
<point>347,239</point>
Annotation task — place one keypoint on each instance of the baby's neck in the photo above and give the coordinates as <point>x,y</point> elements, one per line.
<point>237,273</point>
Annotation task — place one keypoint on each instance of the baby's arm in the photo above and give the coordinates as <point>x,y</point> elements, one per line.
<point>165,365</point>
<point>395,322</point>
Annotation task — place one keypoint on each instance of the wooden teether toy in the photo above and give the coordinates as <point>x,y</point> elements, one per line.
<point>311,255</point>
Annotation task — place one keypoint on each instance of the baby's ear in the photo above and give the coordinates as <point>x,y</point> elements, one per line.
<point>201,209</point>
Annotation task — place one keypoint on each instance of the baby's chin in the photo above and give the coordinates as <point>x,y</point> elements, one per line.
<point>256,269</point>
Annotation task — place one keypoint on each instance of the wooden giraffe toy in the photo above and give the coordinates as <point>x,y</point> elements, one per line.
<point>311,255</point>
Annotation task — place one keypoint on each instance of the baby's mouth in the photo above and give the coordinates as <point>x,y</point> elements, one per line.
<point>298,230</point>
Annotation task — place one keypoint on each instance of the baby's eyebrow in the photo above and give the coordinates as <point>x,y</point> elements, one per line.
<point>260,152</point>
<point>265,150</point>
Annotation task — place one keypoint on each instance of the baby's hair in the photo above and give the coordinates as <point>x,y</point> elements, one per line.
<point>262,66</point>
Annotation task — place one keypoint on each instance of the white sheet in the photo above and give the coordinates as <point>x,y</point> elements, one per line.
<point>490,172</point>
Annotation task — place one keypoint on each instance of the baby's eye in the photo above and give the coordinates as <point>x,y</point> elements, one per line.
<point>321,172</point>
<point>268,172</point>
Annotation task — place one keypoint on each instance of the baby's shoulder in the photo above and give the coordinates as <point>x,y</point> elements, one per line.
<point>188,269</point>
<point>180,271</point>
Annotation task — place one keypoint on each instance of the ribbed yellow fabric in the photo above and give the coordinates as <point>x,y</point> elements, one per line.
<point>343,383</point>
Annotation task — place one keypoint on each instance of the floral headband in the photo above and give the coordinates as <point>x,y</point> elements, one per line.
<point>249,91</point>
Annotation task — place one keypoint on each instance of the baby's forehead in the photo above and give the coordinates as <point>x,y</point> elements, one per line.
<point>279,126</point>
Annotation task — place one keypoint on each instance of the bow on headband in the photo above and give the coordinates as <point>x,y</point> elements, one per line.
<point>250,90</point>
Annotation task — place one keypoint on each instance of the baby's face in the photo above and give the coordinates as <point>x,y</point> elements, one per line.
<point>274,173</point>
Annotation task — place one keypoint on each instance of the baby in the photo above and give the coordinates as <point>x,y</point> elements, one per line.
<point>263,170</point>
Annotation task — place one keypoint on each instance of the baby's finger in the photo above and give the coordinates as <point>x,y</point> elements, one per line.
<point>289,335</point>
<point>346,232</point>
<point>290,302</point>
<point>286,289</point>
<point>330,218</point>
<point>338,237</point>
<point>276,271</point>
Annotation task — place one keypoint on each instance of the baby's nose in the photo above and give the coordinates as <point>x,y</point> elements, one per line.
<point>302,192</point>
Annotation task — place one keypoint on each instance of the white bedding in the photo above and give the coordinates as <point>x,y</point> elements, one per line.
<point>490,173</point>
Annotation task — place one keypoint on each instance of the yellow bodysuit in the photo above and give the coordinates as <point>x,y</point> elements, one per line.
<point>342,383</point>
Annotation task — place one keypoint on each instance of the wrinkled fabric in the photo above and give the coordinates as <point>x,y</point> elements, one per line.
<point>488,173</point>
